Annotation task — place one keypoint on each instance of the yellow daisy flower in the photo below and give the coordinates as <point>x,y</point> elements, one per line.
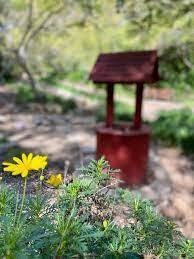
<point>55,180</point>
<point>26,164</point>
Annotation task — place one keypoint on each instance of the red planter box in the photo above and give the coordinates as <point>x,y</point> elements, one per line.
<point>126,149</point>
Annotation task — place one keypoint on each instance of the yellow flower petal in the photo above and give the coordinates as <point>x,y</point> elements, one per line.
<point>30,157</point>
<point>10,168</point>
<point>6,163</point>
<point>17,160</point>
<point>38,162</point>
<point>24,159</point>
<point>16,172</point>
<point>24,173</point>
<point>55,180</point>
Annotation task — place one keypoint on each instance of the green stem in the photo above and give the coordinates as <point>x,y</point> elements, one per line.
<point>41,181</point>
<point>16,207</point>
<point>23,198</point>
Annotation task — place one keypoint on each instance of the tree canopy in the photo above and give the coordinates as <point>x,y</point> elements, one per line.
<point>42,37</point>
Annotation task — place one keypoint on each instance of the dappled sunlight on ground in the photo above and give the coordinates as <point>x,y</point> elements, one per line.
<point>71,136</point>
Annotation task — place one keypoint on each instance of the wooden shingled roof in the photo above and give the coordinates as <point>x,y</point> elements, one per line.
<point>126,67</point>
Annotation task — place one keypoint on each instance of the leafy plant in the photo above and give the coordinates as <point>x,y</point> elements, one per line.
<point>175,128</point>
<point>78,220</point>
<point>25,94</point>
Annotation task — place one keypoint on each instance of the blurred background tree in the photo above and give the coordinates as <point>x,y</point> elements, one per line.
<point>27,26</point>
<point>41,39</point>
<point>168,26</point>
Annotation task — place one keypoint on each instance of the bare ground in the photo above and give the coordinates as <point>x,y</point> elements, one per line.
<point>72,136</point>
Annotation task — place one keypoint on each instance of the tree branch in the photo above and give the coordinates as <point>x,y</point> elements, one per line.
<point>188,63</point>
<point>28,25</point>
<point>36,30</point>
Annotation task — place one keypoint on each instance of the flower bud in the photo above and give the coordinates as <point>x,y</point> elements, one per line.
<point>105,223</point>
<point>41,177</point>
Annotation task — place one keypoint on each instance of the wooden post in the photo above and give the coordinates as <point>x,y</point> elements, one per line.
<point>138,106</point>
<point>110,105</point>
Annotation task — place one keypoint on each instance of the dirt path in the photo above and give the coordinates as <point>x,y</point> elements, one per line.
<point>58,136</point>
<point>151,108</point>
<point>71,136</point>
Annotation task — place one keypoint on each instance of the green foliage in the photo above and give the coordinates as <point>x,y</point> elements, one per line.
<point>122,113</point>
<point>25,95</point>
<point>66,104</point>
<point>175,128</point>
<point>77,76</point>
<point>174,72</point>
<point>67,45</point>
<point>3,140</point>
<point>95,170</point>
<point>81,223</point>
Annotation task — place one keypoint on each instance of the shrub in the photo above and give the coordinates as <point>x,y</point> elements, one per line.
<point>25,95</point>
<point>175,128</point>
<point>78,220</point>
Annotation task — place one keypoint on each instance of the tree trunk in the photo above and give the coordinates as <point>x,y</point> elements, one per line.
<point>23,64</point>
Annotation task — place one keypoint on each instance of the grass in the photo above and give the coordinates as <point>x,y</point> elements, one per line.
<point>182,93</point>
<point>25,95</point>
<point>174,128</point>
<point>123,111</point>
<point>79,92</point>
